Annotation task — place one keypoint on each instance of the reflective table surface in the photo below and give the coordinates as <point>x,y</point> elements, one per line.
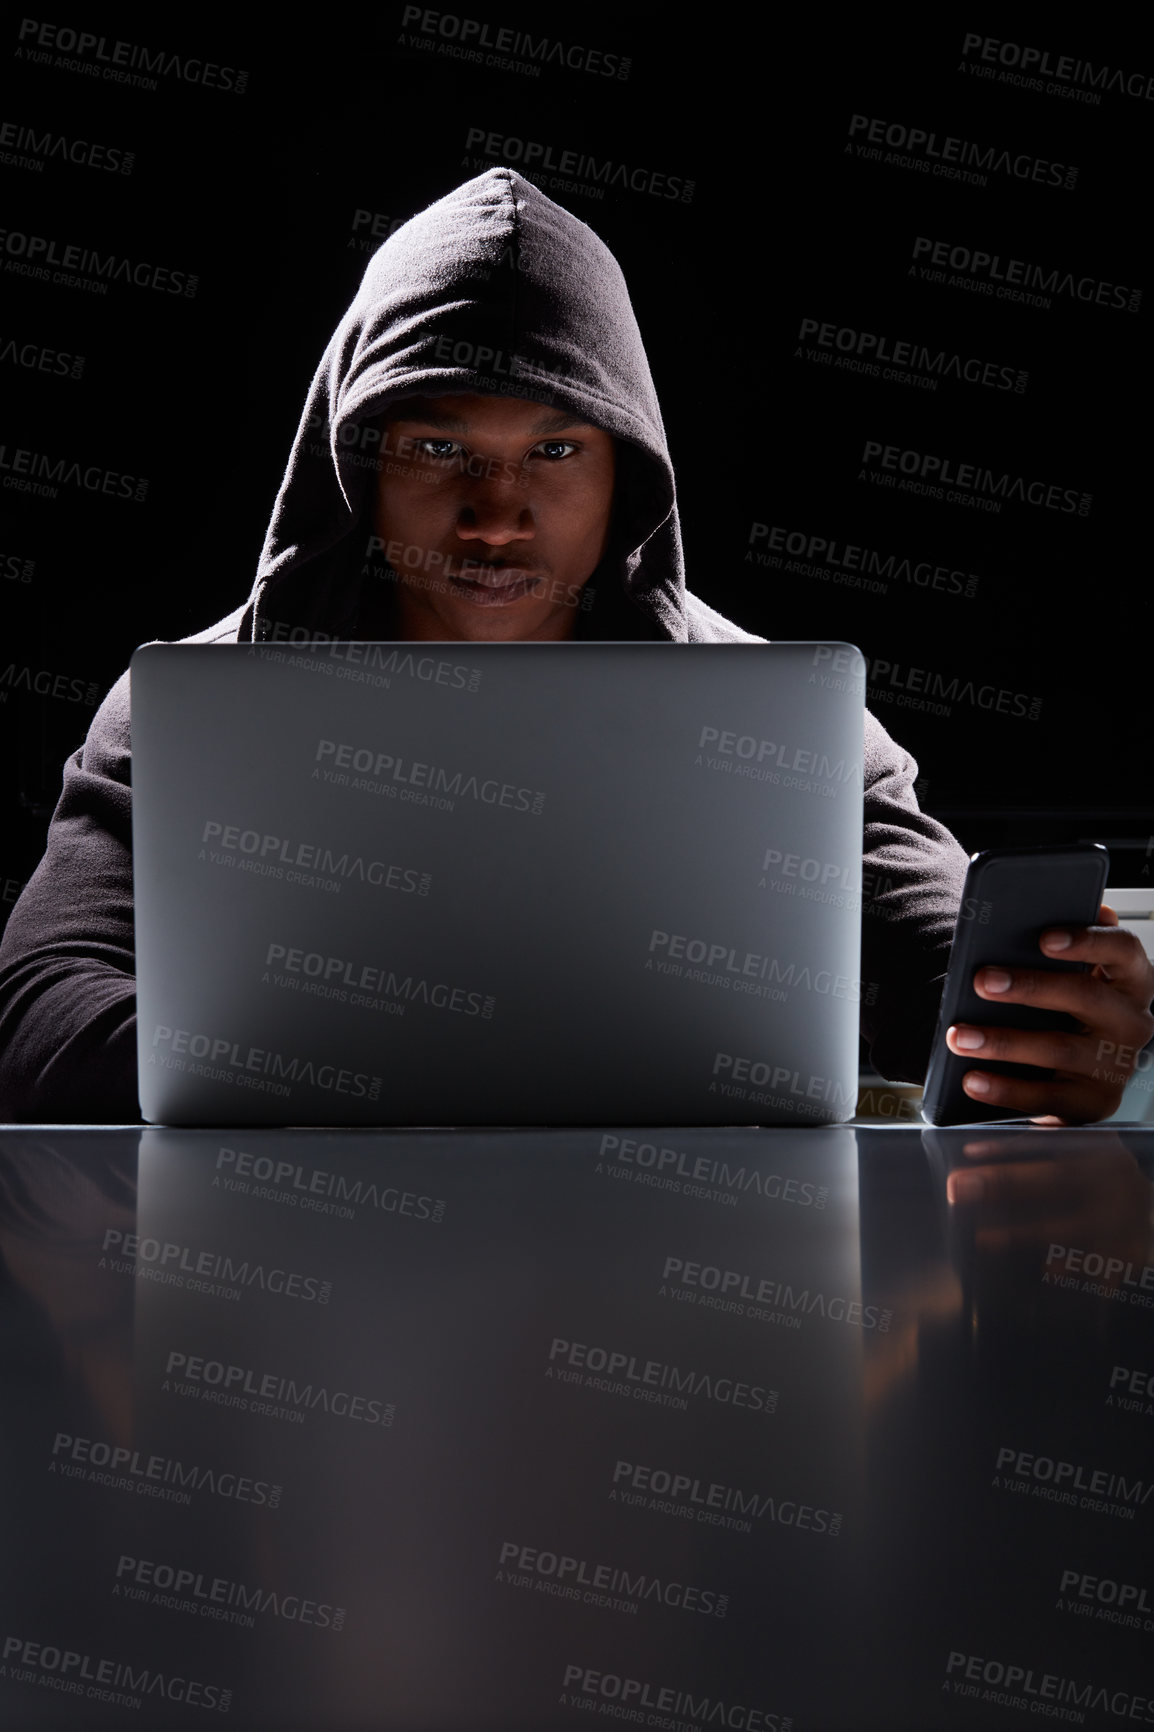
<point>769,1430</point>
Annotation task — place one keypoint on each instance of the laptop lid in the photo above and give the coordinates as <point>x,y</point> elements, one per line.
<point>507,883</point>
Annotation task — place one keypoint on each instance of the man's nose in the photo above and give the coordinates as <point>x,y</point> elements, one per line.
<point>495,509</point>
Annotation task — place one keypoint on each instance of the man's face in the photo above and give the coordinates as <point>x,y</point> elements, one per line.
<point>493,511</point>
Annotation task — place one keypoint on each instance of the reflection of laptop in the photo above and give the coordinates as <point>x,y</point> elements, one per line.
<point>464,883</point>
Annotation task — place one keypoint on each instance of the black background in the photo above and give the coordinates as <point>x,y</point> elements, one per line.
<point>256,193</point>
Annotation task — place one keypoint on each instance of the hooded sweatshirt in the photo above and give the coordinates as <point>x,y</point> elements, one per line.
<point>492,289</point>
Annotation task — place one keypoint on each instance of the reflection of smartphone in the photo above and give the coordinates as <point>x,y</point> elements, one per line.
<point>1010,897</point>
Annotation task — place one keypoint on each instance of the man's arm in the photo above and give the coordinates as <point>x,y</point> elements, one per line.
<point>913,872</point>
<point>67,957</point>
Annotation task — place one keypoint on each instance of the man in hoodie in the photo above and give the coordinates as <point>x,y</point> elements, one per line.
<point>482,454</point>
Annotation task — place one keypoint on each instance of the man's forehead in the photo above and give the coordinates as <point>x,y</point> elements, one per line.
<point>461,414</point>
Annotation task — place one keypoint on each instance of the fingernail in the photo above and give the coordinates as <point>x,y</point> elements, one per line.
<point>977,1084</point>
<point>1057,940</point>
<point>995,980</point>
<point>967,1187</point>
<point>969,1039</point>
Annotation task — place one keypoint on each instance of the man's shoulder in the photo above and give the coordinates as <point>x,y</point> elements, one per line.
<point>706,625</point>
<point>226,630</point>
<point>108,744</point>
<point>883,755</point>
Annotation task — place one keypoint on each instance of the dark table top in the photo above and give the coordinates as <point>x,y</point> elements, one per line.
<point>756,1429</point>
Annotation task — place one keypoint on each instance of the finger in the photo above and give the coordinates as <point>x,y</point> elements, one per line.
<point>1071,1100</point>
<point>1108,1062</point>
<point>1053,1049</point>
<point>1061,1180</point>
<point>1004,1184</point>
<point>995,1148</point>
<point>1110,947</point>
<point>1099,1004</point>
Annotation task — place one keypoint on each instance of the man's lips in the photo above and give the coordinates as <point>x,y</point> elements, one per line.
<point>494,576</point>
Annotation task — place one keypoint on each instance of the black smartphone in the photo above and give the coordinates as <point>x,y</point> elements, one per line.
<point>1010,897</point>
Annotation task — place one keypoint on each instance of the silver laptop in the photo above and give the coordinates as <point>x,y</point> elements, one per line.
<point>498,884</point>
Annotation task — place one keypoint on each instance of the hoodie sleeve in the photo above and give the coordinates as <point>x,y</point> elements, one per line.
<point>67,957</point>
<point>913,873</point>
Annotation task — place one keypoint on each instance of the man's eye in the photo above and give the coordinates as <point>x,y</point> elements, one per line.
<point>446,450</point>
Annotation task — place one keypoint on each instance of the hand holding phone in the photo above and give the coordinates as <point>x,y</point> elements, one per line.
<point>1010,897</point>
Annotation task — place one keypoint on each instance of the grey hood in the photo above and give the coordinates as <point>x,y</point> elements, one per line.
<point>492,289</point>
